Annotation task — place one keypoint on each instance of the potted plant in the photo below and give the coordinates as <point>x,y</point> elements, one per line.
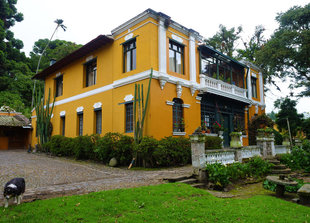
<point>203,126</point>
<point>286,138</point>
<point>235,141</point>
<point>218,128</point>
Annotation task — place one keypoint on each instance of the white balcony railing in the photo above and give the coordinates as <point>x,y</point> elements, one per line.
<point>221,86</point>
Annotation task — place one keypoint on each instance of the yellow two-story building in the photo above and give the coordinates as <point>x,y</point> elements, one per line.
<point>192,83</point>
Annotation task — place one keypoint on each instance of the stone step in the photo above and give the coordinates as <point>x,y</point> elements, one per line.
<point>188,181</point>
<point>281,171</point>
<point>199,185</point>
<point>177,178</point>
<point>279,166</point>
<point>275,162</point>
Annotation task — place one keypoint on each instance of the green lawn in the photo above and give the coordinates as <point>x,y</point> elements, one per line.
<point>161,203</point>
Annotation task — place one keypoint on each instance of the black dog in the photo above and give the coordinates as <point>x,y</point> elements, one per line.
<point>14,188</point>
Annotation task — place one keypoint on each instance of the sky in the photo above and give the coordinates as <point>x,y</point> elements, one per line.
<point>85,20</point>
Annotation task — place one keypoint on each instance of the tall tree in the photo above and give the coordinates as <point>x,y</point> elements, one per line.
<point>288,112</point>
<point>251,47</point>
<point>287,52</point>
<point>56,49</point>
<point>225,40</point>
<point>15,75</point>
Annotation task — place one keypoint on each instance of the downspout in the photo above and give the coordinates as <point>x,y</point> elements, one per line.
<point>248,112</point>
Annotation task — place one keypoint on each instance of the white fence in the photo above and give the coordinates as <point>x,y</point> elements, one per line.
<point>280,149</point>
<point>227,156</point>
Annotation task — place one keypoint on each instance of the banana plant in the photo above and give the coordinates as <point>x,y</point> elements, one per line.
<point>140,108</point>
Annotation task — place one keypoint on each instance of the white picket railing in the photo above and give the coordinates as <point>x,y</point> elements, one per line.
<point>228,156</point>
<point>224,157</point>
<point>280,149</point>
<point>225,87</point>
<point>250,151</point>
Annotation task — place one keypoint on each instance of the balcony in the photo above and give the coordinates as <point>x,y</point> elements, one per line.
<point>219,87</point>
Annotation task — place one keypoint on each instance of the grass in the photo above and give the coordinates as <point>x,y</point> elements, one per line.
<point>161,203</point>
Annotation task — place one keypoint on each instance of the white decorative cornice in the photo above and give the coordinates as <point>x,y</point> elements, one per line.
<point>186,105</point>
<point>177,38</point>
<point>129,36</point>
<point>256,109</point>
<point>97,105</point>
<point>62,113</point>
<point>179,133</point>
<point>128,97</point>
<point>169,102</point>
<point>179,90</point>
<point>89,58</point>
<point>156,75</point>
<point>193,89</point>
<point>162,81</point>
<point>198,98</point>
<point>80,109</point>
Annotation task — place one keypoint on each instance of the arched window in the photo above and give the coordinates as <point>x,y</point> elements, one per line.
<point>178,120</point>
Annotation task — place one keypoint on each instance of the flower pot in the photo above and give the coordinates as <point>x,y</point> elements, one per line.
<point>235,141</point>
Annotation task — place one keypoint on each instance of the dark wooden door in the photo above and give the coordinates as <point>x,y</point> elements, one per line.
<point>226,120</point>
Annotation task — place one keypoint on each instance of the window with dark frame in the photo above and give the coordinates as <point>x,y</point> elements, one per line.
<point>129,51</point>
<point>59,86</point>
<point>98,117</point>
<point>254,87</point>
<point>80,124</point>
<point>91,72</point>
<point>176,57</point>
<point>178,121</point>
<point>63,124</point>
<point>129,117</point>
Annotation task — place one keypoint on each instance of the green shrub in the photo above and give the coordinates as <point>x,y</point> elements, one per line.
<point>213,142</point>
<point>277,137</point>
<point>222,175</point>
<point>114,145</point>
<point>258,167</point>
<point>292,189</point>
<point>84,147</point>
<point>59,146</point>
<point>124,150</point>
<point>299,158</point>
<point>257,122</point>
<point>145,150</point>
<point>237,171</point>
<point>173,151</point>
<point>218,174</point>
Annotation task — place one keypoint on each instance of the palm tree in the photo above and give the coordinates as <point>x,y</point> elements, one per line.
<point>59,24</point>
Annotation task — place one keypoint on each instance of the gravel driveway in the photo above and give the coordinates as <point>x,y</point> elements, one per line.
<point>52,176</point>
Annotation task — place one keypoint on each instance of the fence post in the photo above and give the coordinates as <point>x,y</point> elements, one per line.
<point>267,145</point>
<point>199,159</point>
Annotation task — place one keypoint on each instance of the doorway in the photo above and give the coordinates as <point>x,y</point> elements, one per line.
<point>226,124</point>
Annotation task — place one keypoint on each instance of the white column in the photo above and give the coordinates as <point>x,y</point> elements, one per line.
<point>249,86</point>
<point>261,88</point>
<point>162,45</point>
<point>192,58</point>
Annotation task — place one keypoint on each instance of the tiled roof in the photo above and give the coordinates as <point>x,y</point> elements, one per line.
<point>14,121</point>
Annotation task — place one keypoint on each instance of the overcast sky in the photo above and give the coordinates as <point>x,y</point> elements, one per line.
<point>86,20</point>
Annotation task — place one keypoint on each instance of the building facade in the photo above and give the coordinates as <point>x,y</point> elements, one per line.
<point>192,83</point>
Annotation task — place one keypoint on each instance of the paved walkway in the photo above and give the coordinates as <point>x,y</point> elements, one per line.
<point>52,176</point>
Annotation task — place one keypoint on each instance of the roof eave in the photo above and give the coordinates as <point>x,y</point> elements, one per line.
<point>94,44</point>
